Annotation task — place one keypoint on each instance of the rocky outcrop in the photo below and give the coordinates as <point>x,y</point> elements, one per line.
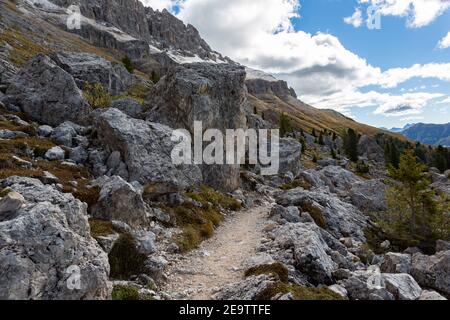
<point>89,68</point>
<point>432,271</point>
<point>279,88</point>
<point>47,94</point>
<point>46,250</point>
<point>146,148</point>
<point>211,93</point>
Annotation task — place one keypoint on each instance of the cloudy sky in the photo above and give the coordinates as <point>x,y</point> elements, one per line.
<point>331,54</point>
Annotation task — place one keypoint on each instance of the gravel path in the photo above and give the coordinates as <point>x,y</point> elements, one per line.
<point>220,260</point>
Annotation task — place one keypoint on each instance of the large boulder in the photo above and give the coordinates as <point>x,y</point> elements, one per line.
<point>370,149</point>
<point>89,68</point>
<point>120,201</point>
<point>146,149</point>
<point>129,106</point>
<point>46,251</point>
<point>432,271</point>
<point>402,286</point>
<point>290,155</point>
<point>316,253</point>
<point>369,196</point>
<point>47,94</point>
<point>214,94</point>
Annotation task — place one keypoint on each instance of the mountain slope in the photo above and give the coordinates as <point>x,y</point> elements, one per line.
<point>434,134</point>
<point>155,41</point>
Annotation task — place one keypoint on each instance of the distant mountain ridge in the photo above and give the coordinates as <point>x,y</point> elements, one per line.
<point>433,134</point>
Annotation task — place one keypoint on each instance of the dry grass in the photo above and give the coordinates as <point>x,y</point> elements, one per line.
<point>298,292</point>
<point>199,223</point>
<point>277,270</point>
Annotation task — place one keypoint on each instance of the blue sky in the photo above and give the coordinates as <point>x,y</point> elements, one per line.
<point>387,77</point>
<point>394,45</point>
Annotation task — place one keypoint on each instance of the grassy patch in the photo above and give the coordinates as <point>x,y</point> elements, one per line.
<point>198,223</point>
<point>100,228</point>
<point>121,292</point>
<point>207,196</point>
<point>138,92</point>
<point>315,213</point>
<point>23,47</point>
<point>277,270</point>
<point>21,145</point>
<point>298,292</point>
<point>124,258</point>
<point>296,184</point>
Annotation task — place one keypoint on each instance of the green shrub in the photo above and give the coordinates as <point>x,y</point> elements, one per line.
<point>121,292</point>
<point>100,228</point>
<point>128,64</point>
<point>296,184</point>
<point>96,95</point>
<point>298,292</point>
<point>125,260</point>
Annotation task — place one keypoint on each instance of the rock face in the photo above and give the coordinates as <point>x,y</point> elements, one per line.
<point>211,93</point>
<point>89,68</point>
<point>46,245</point>
<point>145,148</point>
<point>279,88</point>
<point>432,271</point>
<point>120,201</point>
<point>47,94</point>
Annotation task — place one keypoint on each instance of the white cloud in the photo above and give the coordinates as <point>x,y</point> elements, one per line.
<point>446,100</point>
<point>356,19</point>
<point>393,77</point>
<point>260,35</point>
<point>445,42</point>
<point>158,4</point>
<point>419,13</point>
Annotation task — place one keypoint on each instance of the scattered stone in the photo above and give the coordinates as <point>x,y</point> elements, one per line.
<point>10,204</point>
<point>48,178</point>
<point>442,245</point>
<point>55,153</point>
<point>44,131</point>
